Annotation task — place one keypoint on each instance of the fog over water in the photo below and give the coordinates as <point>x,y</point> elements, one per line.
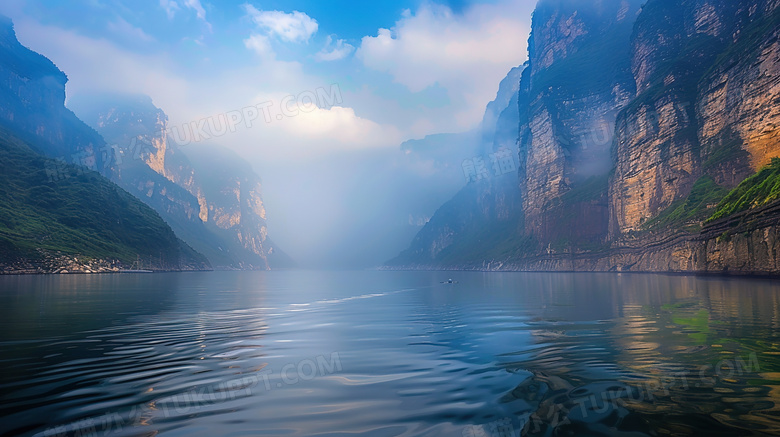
<point>357,209</point>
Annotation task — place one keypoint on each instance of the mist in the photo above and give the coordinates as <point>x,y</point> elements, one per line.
<point>333,209</point>
<point>359,209</point>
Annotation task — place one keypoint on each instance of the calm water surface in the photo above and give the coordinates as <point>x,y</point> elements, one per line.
<point>388,354</point>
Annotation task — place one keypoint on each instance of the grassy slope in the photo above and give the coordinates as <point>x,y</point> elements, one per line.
<point>77,212</point>
<point>691,210</point>
<point>756,191</point>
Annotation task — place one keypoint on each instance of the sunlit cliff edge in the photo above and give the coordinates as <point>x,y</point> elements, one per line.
<point>208,194</point>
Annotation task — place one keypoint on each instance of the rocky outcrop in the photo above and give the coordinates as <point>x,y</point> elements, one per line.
<point>231,205</point>
<point>579,79</point>
<point>32,90</point>
<point>210,196</point>
<point>737,102</point>
<point>745,243</point>
<point>657,162</point>
<point>562,148</point>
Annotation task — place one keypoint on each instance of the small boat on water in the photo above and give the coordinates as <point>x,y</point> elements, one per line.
<point>449,281</point>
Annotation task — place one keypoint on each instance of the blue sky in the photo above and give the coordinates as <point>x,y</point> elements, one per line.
<point>349,19</point>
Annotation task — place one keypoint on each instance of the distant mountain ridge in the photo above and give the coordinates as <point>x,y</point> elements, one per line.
<point>490,201</point>
<point>58,215</point>
<point>214,204</point>
<point>635,121</point>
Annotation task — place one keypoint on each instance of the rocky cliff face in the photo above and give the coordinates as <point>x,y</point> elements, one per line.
<point>738,98</point>
<point>706,72</point>
<point>210,196</point>
<point>579,79</point>
<point>230,197</point>
<point>634,122</point>
<point>559,132</point>
<point>32,90</point>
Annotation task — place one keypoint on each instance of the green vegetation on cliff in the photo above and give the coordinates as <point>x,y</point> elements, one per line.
<point>705,192</point>
<point>50,205</point>
<point>758,190</point>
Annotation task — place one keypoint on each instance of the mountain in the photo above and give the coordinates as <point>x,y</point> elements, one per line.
<point>53,213</point>
<point>209,195</point>
<point>59,214</point>
<point>32,90</point>
<point>635,122</point>
<point>231,193</point>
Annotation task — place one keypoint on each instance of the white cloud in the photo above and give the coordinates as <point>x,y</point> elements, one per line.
<point>292,27</point>
<point>467,54</point>
<point>197,7</point>
<point>334,52</point>
<point>340,128</point>
<point>259,44</point>
<point>99,65</point>
<point>95,65</point>
<point>170,7</point>
<point>125,30</point>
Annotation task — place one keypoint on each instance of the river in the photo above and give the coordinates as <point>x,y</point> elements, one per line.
<point>375,353</point>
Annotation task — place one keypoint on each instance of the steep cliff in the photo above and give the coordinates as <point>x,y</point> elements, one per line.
<point>230,196</point>
<point>578,81</point>
<point>559,132</point>
<point>32,91</point>
<point>705,118</point>
<point>634,124</point>
<point>707,76</point>
<point>210,197</point>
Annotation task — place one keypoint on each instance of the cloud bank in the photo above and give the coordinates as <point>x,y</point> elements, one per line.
<point>467,54</point>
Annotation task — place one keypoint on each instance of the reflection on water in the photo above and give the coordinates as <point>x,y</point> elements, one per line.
<point>388,354</point>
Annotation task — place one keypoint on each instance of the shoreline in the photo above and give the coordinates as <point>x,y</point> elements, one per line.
<point>722,275</point>
<point>27,272</point>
